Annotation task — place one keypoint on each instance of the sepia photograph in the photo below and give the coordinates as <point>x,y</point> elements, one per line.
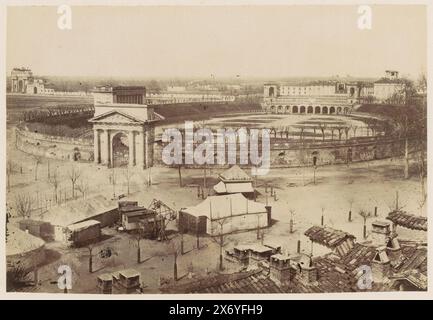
<point>227,148</point>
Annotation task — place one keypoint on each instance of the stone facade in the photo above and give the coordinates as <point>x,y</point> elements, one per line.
<point>119,113</point>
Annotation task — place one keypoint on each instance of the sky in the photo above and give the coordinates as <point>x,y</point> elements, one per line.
<point>224,41</point>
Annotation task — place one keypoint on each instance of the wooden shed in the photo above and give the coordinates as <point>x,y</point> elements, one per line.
<point>85,232</point>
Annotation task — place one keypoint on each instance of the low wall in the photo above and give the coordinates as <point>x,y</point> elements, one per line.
<point>283,154</point>
<point>55,147</point>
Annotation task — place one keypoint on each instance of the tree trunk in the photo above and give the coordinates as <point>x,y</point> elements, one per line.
<point>221,260</point>
<point>138,253</point>
<point>406,158</point>
<point>90,262</point>
<point>175,267</point>
<point>180,176</point>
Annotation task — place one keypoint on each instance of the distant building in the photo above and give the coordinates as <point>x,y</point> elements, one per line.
<point>20,77</point>
<point>389,87</point>
<point>176,89</point>
<point>324,97</point>
<point>331,97</point>
<point>22,81</point>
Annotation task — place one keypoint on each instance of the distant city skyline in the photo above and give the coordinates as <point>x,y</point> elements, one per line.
<point>259,42</point>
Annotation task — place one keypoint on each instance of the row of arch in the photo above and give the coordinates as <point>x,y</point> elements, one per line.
<point>309,109</point>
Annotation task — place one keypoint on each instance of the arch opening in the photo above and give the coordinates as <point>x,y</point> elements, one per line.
<point>120,150</point>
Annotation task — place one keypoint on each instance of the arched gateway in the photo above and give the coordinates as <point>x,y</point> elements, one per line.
<point>123,127</point>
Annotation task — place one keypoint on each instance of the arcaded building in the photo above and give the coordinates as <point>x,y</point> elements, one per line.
<point>329,97</point>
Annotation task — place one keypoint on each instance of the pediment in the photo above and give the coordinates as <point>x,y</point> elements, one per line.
<point>115,117</point>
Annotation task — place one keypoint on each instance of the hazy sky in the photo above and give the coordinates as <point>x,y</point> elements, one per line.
<point>258,41</point>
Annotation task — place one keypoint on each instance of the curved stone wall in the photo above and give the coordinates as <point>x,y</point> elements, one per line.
<point>282,154</point>
<point>55,147</point>
<point>285,155</point>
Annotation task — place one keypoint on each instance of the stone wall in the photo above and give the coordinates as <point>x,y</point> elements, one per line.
<point>285,155</point>
<point>55,147</point>
<point>282,154</point>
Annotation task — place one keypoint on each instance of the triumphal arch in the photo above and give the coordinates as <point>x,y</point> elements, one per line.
<point>123,127</point>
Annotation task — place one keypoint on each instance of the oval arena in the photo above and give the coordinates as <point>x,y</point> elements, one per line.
<point>119,129</point>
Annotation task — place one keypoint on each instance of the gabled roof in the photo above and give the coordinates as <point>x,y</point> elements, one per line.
<point>386,81</point>
<point>254,281</point>
<point>235,174</point>
<point>216,207</point>
<point>234,187</point>
<point>112,112</point>
<point>409,221</point>
<point>83,225</point>
<point>78,210</point>
<point>327,237</point>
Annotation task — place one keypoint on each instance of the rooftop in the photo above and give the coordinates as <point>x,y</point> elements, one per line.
<point>78,210</point>
<point>129,273</point>
<point>83,225</point>
<point>216,207</point>
<point>409,221</point>
<point>235,173</point>
<point>328,237</point>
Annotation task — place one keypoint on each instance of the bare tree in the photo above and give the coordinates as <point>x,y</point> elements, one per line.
<point>9,171</point>
<point>74,174</point>
<point>351,201</point>
<point>23,203</point>
<point>219,239</point>
<point>113,179</point>
<point>90,255</point>
<point>38,161</point>
<point>322,127</point>
<point>137,237</point>
<point>82,187</point>
<point>365,215</point>
<point>54,181</point>
<point>291,221</point>
<point>128,173</point>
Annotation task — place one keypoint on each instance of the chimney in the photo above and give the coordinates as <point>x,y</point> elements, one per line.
<point>381,232</point>
<point>269,212</point>
<point>309,272</point>
<point>306,272</point>
<point>393,249</point>
<point>380,266</point>
<point>280,269</point>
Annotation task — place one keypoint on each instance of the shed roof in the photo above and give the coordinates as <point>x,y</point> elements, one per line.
<point>19,241</point>
<point>129,273</point>
<point>328,237</point>
<point>78,210</point>
<point>235,173</point>
<point>83,225</point>
<point>234,187</point>
<point>216,207</point>
<point>409,221</point>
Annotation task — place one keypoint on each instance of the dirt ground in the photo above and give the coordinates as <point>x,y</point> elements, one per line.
<point>336,190</point>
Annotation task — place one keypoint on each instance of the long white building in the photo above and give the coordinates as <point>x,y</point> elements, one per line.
<point>329,97</point>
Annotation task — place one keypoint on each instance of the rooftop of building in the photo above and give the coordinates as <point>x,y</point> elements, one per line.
<point>407,220</point>
<point>327,236</point>
<point>217,207</point>
<point>235,174</point>
<point>83,225</point>
<point>109,88</point>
